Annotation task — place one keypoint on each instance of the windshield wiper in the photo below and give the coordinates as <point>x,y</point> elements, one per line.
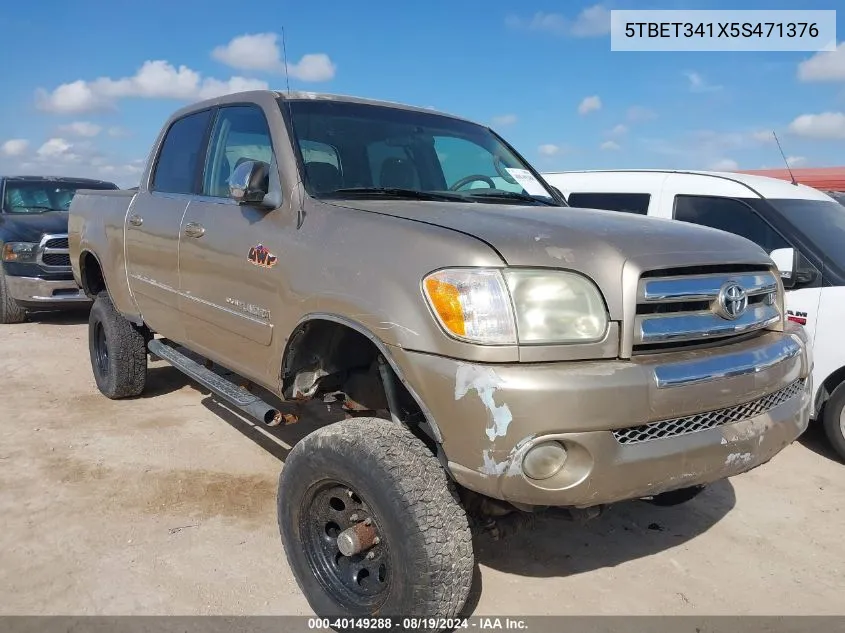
<point>34,206</point>
<point>510,195</point>
<point>398,192</point>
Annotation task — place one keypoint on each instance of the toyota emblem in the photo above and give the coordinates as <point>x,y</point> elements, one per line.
<point>732,301</point>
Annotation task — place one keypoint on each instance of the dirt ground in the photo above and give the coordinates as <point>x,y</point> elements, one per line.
<point>166,505</point>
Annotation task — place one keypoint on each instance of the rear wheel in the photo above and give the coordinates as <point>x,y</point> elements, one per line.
<point>10,311</point>
<point>834,420</point>
<point>371,524</point>
<point>118,351</point>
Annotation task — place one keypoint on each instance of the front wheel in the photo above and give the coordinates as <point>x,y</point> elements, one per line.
<point>118,351</point>
<point>10,311</point>
<point>834,421</point>
<point>371,524</point>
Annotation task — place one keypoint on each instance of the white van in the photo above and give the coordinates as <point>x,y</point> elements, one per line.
<point>801,228</point>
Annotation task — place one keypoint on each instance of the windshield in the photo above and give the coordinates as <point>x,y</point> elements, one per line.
<point>822,221</point>
<point>839,196</point>
<point>41,196</point>
<point>357,149</point>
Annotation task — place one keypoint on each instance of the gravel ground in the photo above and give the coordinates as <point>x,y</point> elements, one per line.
<point>166,505</point>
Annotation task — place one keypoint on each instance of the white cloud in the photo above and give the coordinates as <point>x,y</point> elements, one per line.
<point>638,114</point>
<point>261,51</point>
<point>156,79</point>
<point>591,22</point>
<point>795,161</point>
<point>617,131</point>
<point>80,128</point>
<point>763,136</point>
<point>504,119</point>
<point>589,104</point>
<point>14,147</point>
<point>824,66</point>
<point>697,83</point>
<point>57,149</point>
<point>119,132</point>
<point>610,146</point>
<point>548,149</point>
<point>724,164</point>
<point>827,125</point>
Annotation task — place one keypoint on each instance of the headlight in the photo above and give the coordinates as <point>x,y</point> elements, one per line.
<point>529,306</point>
<point>21,252</point>
<point>556,307</point>
<point>472,305</point>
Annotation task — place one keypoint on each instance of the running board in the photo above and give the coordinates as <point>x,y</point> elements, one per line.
<point>234,394</point>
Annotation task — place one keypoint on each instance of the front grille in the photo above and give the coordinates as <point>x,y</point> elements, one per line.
<point>53,253</point>
<point>56,259</point>
<point>708,419</point>
<point>56,242</point>
<point>681,310</point>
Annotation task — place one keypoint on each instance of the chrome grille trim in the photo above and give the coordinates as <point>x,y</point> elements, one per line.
<point>692,326</point>
<point>701,287</point>
<point>709,419</point>
<point>686,309</point>
<point>45,248</point>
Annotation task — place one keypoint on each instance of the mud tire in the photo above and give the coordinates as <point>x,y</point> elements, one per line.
<point>412,501</point>
<point>118,351</point>
<point>10,311</point>
<point>832,419</point>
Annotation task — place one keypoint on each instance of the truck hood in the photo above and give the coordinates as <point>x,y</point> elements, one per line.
<point>30,227</point>
<point>604,245</point>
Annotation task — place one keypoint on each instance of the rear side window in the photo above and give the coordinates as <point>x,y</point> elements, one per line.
<point>176,167</point>
<point>727,214</point>
<point>625,202</point>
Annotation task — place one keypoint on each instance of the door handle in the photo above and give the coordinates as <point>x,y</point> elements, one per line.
<point>192,229</point>
<point>136,220</point>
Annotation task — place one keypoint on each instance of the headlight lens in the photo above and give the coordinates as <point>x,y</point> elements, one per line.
<point>472,305</point>
<point>526,306</point>
<point>556,307</point>
<point>21,252</point>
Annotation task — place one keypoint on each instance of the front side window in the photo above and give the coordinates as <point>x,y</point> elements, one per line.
<point>377,150</point>
<point>240,134</point>
<point>729,215</point>
<point>624,202</point>
<point>179,158</point>
<point>41,196</point>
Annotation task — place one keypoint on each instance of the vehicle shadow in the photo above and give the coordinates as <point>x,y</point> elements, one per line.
<point>555,546</point>
<point>75,316</point>
<point>815,439</point>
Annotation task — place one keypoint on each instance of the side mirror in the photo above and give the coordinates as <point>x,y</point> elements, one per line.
<point>249,182</point>
<point>786,260</point>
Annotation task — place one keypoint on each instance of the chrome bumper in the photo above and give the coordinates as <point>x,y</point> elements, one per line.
<point>34,290</point>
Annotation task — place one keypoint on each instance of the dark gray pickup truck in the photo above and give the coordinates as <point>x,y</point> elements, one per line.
<point>35,269</point>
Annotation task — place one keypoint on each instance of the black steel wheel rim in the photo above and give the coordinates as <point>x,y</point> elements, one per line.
<point>357,582</point>
<point>101,349</point>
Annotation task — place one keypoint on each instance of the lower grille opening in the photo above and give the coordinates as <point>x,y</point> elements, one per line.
<point>709,419</point>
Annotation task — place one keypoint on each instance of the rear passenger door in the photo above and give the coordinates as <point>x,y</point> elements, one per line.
<point>229,253</point>
<point>152,224</point>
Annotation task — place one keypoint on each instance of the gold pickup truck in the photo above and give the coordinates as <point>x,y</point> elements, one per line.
<point>499,349</point>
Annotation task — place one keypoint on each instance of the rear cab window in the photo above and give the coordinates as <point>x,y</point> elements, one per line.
<point>624,202</point>
<point>178,162</point>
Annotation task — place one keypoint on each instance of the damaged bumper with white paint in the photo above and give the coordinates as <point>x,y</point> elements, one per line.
<point>629,428</point>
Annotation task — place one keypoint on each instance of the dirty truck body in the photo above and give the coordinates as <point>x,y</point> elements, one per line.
<point>542,355</point>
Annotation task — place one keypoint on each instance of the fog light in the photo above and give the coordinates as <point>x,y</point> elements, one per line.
<point>544,460</point>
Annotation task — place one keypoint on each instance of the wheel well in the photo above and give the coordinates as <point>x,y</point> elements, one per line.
<point>334,361</point>
<point>91,274</point>
<point>828,386</point>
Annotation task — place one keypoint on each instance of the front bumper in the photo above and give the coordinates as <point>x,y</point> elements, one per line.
<point>721,411</point>
<point>38,292</point>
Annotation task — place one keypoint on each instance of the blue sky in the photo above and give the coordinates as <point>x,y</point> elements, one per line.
<point>87,84</point>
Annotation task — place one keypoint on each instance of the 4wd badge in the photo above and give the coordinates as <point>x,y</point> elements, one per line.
<point>260,256</point>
